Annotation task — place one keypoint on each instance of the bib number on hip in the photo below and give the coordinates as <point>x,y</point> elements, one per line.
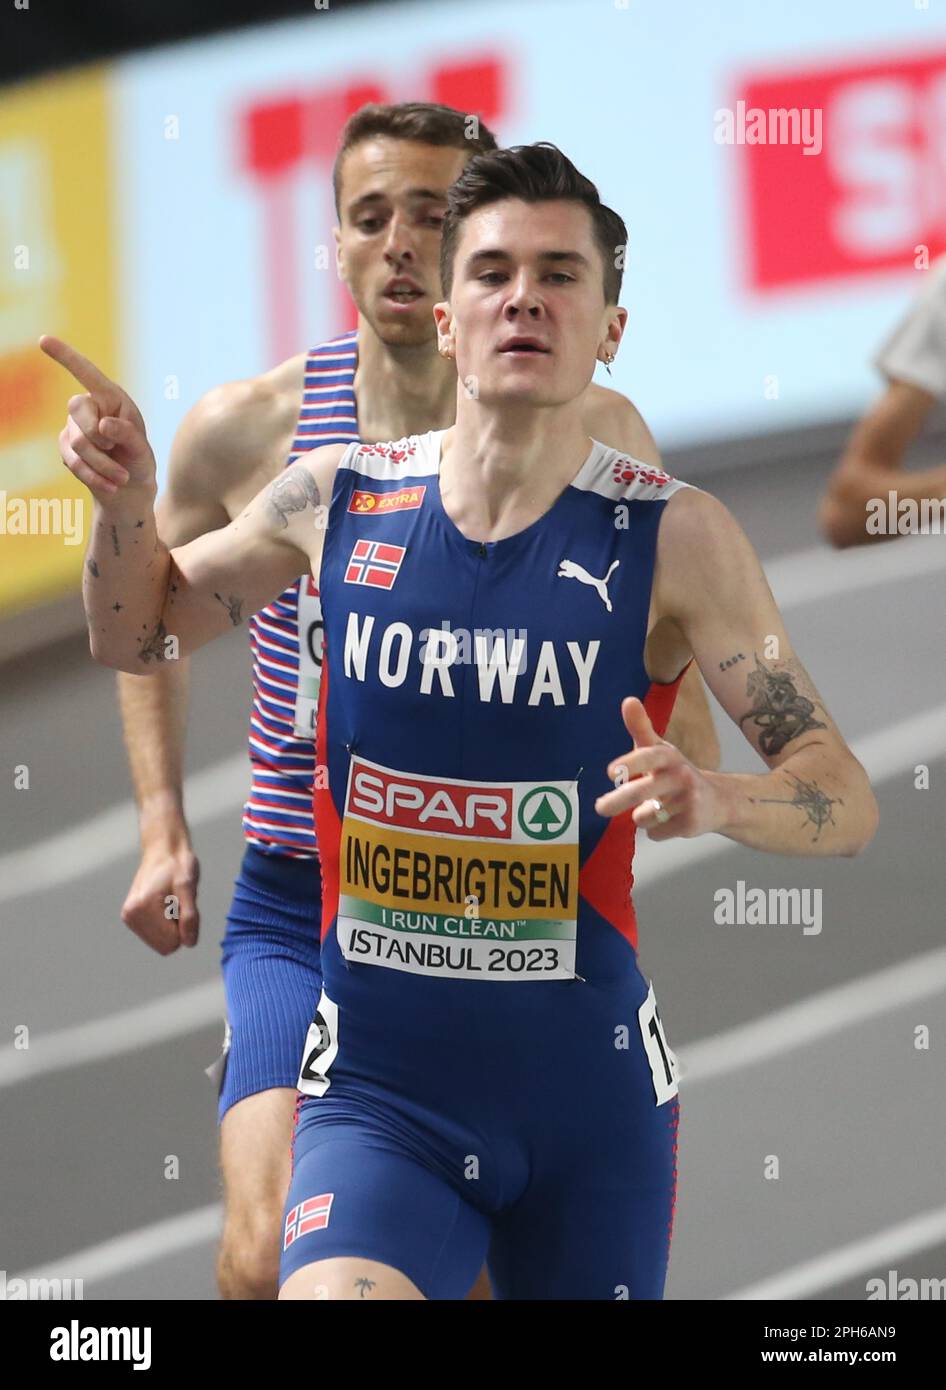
<point>217,1070</point>
<point>321,1049</point>
<point>664,1068</point>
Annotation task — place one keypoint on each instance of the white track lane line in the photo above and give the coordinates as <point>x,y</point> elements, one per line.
<point>179,1233</point>
<point>170,1016</point>
<point>804,576</point>
<point>100,841</point>
<point>847,1261</point>
<point>808,576</point>
<point>818,1016</point>
<point>891,752</point>
<point>136,1248</point>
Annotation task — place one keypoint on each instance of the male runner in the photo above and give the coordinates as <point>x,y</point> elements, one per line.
<point>913,360</point>
<point>384,381</point>
<point>470,837</point>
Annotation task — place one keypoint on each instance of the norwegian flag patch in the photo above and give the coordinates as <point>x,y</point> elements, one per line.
<point>310,1215</point>
<point>375,563</point>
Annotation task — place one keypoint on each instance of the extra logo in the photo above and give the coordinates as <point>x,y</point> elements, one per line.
<point>374,563</point>
<point>310,1215</point>
<point>405,499</point>
<point>545,814</point>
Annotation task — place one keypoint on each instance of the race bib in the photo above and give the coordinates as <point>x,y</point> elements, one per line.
<point>321,1049</point>
<point>311,634</point>
<point>458,879</point>
<point>664,1067</point>
<point>218,1070</point>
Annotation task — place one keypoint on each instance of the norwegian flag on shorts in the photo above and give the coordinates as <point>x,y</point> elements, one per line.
<point>310,1215</point>
<point>374,563</point>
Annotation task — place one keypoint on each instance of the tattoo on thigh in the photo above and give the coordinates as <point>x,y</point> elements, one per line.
<point>778,710</point>
<point>809,798</point>
<point>293,492</point>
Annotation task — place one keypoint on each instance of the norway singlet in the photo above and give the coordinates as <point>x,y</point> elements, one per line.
<point>487,1072</point>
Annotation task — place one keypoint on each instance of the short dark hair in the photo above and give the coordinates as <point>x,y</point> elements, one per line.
<point>537,173</point>
<point>424,121</point>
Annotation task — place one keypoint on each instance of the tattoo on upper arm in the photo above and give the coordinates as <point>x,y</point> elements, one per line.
<point>778,711</point>
<point>812,800</point>
<point>293,492</point>
<point>153,648</point>
<point>364,1285</point>
<point>116,548</point>
<point>234,606</point>
<point>731,661</point>
<point>92,567</point>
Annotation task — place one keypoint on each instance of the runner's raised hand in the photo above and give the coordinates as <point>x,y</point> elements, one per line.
<point>104,443</point>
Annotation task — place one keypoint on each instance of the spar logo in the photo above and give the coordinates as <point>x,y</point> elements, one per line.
<point>876,193</point>
<point>406,499</point>
<point>436,806</point>
<point>544,814</point>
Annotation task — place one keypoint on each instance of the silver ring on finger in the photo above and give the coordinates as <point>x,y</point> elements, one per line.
<point>661,814</point>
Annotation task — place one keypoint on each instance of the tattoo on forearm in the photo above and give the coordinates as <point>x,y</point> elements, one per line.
<point>92,567</point>
<point>293,492</point>
<point>152,648</point>
<point>778,711</point>
<point>234,606</point>
<point>810,799</point>
<point>116,548</point>
<point>364,1285</point>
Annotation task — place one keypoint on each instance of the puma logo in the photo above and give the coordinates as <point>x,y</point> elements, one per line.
<point>570,570</point>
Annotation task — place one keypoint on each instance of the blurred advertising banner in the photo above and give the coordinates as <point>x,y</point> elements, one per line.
<point>777,167</point>
<point>781,169</point>
<point>57,273</point>
<point>881,185</point>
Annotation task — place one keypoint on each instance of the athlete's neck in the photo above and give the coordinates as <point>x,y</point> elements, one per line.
<point>502,470</point>
<point>402,390</point>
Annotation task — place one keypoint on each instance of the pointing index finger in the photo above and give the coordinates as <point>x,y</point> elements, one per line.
<point>79,366</point>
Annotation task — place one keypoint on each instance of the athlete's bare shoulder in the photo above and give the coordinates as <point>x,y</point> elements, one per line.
<point>614,420</point>
<point>701,549</point>
<point>234,438</point>
<point>241,418</point>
